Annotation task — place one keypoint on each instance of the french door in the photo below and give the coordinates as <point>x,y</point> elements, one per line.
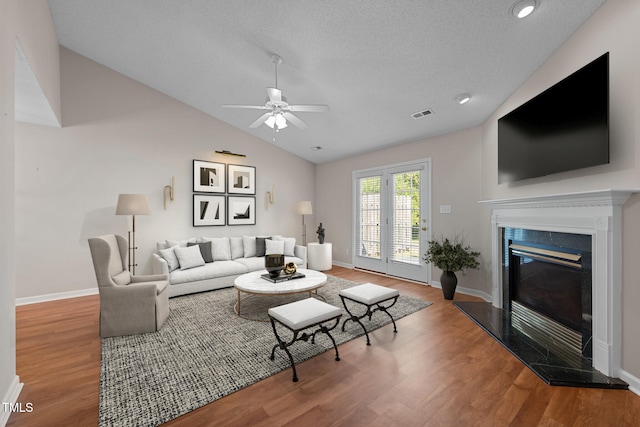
<point>392,219</point>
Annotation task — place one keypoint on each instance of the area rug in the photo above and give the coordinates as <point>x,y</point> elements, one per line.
<point>204,351</point>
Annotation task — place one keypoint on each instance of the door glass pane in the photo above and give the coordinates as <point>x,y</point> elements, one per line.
<point>405,235</point>
<point>369,217</point>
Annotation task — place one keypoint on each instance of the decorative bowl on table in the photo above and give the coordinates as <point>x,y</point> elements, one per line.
<point>274,263</point>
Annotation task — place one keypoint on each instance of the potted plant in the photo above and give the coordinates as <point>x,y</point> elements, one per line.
<point>451,256</point>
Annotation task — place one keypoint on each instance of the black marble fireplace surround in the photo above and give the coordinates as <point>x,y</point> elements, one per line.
<point>564,295</point>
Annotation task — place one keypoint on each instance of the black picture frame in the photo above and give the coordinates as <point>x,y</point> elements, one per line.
<point>209,177</point>
<point>241,210</point>
<point>241,179</point>
<point>209,210</point>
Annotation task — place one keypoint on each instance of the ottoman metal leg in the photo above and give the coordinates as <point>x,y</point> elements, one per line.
<point>369,296</point>
<point>299,324</point>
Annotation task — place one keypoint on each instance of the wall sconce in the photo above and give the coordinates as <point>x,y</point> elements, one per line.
<point>270,197</point>
<point>164,193</point>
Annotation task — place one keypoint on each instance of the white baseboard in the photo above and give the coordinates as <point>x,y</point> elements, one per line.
<point>634,382</point>
<point>342,264</point>
<point>56,296</point>
<point>467,291</point>
<point>10,397</point>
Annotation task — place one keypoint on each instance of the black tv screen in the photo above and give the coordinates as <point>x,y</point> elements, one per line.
<point>566,127</point>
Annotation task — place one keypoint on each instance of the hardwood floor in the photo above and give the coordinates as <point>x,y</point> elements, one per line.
<point>440,369</point>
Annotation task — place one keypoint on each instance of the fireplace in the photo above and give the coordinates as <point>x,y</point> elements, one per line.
<point>547,287</point>
<point>596,215</point>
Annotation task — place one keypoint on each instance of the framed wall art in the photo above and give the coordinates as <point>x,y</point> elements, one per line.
<point>242,210</point>
<point>241,179</point>
<point>209,210</point>
<point>208,177</point>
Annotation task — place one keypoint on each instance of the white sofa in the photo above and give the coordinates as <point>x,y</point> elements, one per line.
<point>204,263</point>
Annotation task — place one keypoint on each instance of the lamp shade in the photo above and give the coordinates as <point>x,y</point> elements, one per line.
<point>303,208</point>
<point>133,204</point>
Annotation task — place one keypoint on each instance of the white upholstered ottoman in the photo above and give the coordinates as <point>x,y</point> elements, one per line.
<point>369,295</point>
<point>300,315</point>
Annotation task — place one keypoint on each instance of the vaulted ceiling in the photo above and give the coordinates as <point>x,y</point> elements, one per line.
<point>373,62</point>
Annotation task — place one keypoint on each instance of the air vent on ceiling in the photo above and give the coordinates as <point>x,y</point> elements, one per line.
<point>423,113</point>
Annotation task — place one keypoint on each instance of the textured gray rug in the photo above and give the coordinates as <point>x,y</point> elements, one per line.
<point>204,352</point>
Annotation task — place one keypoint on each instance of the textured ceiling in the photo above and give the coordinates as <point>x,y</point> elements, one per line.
<point>374,62</point>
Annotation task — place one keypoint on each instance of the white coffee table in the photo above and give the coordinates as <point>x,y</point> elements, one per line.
<point>252,284</point>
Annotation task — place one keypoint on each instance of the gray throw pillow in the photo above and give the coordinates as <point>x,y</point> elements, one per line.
<point>205,250</point>
<point>261,246</point>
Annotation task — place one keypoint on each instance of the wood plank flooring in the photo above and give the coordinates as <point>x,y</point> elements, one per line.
<point>440,369</point>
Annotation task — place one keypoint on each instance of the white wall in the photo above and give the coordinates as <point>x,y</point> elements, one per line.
<point>7,284</point>
<point>31,23</point>
<point>614,28</point>
<point>455,170</point>
<point>119,136</point>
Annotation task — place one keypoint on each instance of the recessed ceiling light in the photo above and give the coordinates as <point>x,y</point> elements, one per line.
<point>316,148</point>
<point>463,98</point>
<point>524,8</point>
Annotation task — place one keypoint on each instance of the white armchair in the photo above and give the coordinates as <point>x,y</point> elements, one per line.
<point>128,304</point>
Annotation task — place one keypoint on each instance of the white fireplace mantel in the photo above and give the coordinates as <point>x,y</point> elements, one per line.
<point>595,213</point>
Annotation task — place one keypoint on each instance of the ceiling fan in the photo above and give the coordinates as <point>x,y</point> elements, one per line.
<point>280,112</point>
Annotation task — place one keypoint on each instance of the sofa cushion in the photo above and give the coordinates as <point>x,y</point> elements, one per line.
<point>189,257</point>
<point>220,248</point>
<point>249,245</point>
<point>253,263</point>
<point>208,271</point>
<point>170,256</point>
<point>181,243</point>
<point>205,250</point>
<point>257,263</point>
<point>274,247</point>
<point>289,244</point>
<point>237,248</point>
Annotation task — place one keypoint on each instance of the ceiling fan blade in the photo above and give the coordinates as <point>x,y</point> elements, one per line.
<point>310,108</point>
<point>275,94</point>
<point>293,119</point>
<point>251,107</point>
<point>260,121</point>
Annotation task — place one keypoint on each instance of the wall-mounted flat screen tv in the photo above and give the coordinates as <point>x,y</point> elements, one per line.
<point>566,127</point>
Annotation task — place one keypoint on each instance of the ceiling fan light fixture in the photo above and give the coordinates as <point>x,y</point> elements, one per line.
<point>524,8</point>
<point>281,122</point>
<point>271,121</point>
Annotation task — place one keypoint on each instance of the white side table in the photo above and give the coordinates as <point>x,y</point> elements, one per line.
<point>319,256</point>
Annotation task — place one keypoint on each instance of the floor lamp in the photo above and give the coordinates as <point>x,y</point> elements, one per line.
<point>133,204</point>
<point>304,208</point>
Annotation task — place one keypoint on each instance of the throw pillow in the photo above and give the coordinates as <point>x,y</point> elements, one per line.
<point>220,248</point>
<point>237,247</point>
<point>181,243</point>
<point>274,247</point>
<point>189,257</point>
<point>170,256</point>
<point>205,250</point>
<point>289,245</point>
<point>260,245</point>
<point>123,278</point>
<point>249,245</point>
